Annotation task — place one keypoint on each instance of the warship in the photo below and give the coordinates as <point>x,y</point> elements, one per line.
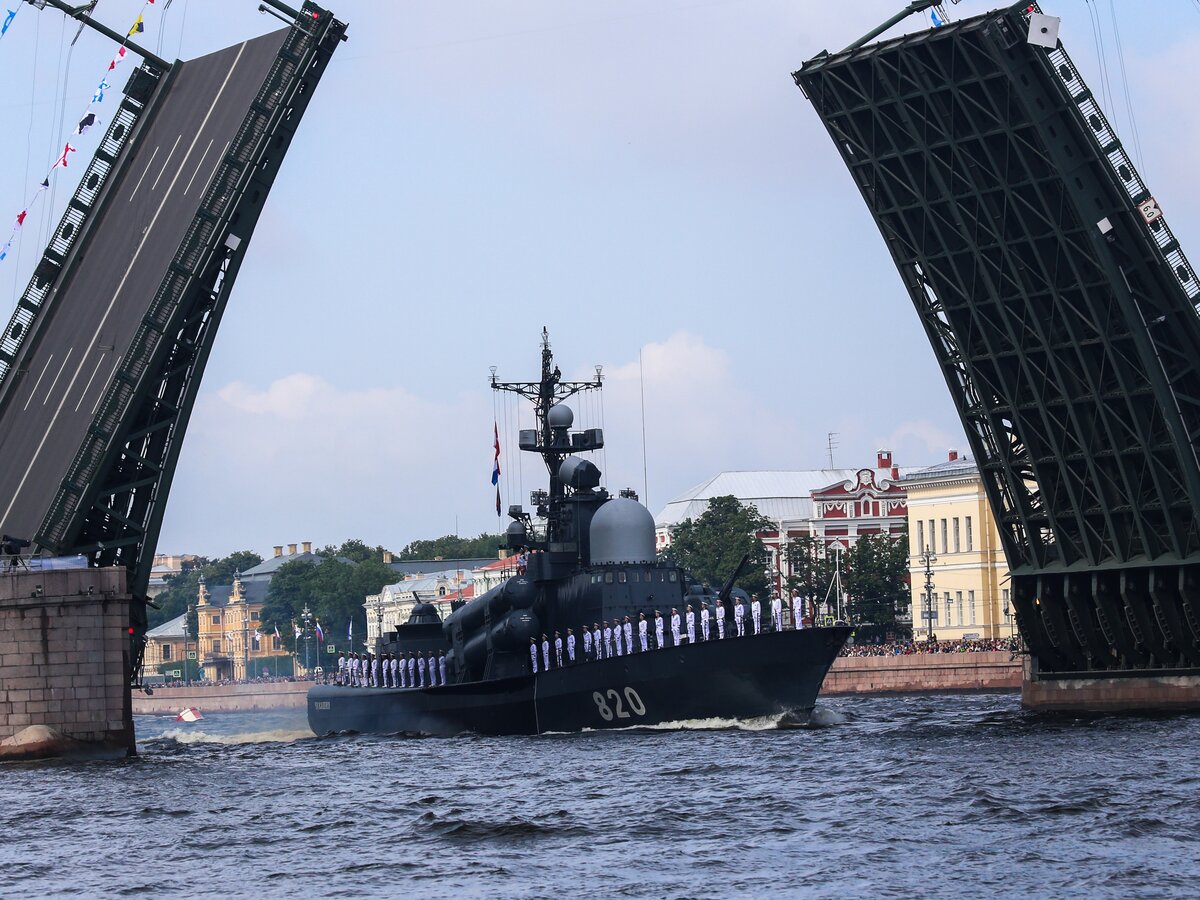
<point>590,557</point>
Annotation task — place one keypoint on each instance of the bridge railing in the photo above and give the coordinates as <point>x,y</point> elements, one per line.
<point>95,176</point>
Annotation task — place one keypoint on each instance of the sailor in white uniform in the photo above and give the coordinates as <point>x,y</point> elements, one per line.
<point>412,670</point>
<point>720,613</point>
<point>395,672</point>
<point>375,682</point>
<point>545,653</point>
<point>570,647</point>
<point>617,636</point>
<point>643,627</point>
<point>597,644</point>
<point>674,627</point>
<point>431,667</point>
<point>739,615</point>
<point>385,671</point>
<point>627,630</point>
<point>533,654</point>
<point>756,613</point>
<point>777,610</point>
<point>797,611</point>
<point>558,649</point>
<point>704,626</point>
<point>341,675</point>
<point>442,666</point>
<point>658,630</point>
<point>587,642</point>
<point>353,667</point>
<point>422,666</point>
<point>690,617</point>
<point>608,644</point>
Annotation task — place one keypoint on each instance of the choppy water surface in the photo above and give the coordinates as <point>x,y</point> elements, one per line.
<point>945,796</point>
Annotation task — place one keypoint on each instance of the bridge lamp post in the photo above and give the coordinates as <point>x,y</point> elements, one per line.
<point>378,619</point>
<point>306,618</point>
<point>928,558</point>
<point>186,674</point>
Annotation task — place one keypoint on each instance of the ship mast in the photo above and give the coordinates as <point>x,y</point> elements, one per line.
<point>545,394</point>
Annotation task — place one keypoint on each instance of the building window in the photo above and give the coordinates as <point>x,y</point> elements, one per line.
<point>276,643</point>
<point>947,609</point>
<point>254,615</point>
<point>956,542</point>
<point>166,652</point>
<point>970,540</point>
<point>932,537</point>
<point>217,619</point>
<point>971,605</point>
<point>216,645</point>
<point>958,599</point>
<point>920,538</point>
<point>945,543</point>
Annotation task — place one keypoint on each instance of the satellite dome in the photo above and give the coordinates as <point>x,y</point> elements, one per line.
<point>622,532</point>
<point>561,416</point>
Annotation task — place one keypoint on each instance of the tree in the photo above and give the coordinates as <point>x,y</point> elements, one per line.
<point>355,551</point>
<point>711,546</point>
<point>812,567</point>
<point>332,590</point>
<point>876,577</point>
<point>452,546</point>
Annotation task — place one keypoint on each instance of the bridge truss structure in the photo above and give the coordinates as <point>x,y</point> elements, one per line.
<point>102,360</point>
<point>1062,312</point>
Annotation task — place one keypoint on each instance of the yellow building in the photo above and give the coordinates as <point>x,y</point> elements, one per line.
<point>949,516</point>
<point>228,618</point>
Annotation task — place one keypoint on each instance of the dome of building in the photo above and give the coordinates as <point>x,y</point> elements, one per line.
<point>622,532</point>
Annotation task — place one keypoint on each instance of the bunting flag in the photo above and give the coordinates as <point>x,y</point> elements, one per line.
<point>116,59</point>
<point>496,459</point>
<point>21,217</point>
<point>86,122</point>
<point>62,160</point>
<point>103,86</point>
<point>137,28</point>
<point>12,14</point>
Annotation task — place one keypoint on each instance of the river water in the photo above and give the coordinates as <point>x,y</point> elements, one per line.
<point>884,796</point>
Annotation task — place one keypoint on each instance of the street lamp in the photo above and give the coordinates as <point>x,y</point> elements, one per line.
<point>187,677</point>
<point>306,618</point>
<point>378,619</point>
<point>928,558</point>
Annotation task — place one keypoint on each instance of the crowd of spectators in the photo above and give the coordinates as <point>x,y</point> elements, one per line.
<point>270,679</point>
<point>912,648</point>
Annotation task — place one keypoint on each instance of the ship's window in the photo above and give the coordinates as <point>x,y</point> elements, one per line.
<point>661,576</point>
<point>674,575</point>
<point>621,577</point>
<point>637,577</point>
<point>649,577</point>
<point>608,577</point>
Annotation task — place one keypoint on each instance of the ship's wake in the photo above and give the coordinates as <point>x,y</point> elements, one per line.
<point>192,736</point>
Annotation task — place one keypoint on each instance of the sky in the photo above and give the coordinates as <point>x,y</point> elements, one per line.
<point>643,179</point>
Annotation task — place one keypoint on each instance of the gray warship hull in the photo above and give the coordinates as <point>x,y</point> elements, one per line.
<point>735,679</point>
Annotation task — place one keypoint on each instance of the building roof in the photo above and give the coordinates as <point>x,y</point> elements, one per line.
<point>267,567</point>
<point>964,465</point>
<point>425,566</point>
<point>253,591</point>
<point>170,629</point>
<point>777,495</point>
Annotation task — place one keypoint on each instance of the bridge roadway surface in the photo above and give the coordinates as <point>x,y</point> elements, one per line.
<point>151,202</point>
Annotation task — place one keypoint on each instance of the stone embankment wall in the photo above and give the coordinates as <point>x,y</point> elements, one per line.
<point>222,698</point>
<point>923,673</point>
<point>64,661</point>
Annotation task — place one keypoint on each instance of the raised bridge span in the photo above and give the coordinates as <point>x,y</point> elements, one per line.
<point>1062,312</point>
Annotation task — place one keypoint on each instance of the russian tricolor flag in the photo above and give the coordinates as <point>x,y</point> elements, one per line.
<point>320,633</point>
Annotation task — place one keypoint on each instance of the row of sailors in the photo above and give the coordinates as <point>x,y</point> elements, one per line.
<point>616,638</point>
<point>412,669</point>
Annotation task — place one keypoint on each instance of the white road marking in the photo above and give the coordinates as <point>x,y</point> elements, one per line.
<point>88,386</point>
<point>166,162</point>
<point>198,165</point>
<point>38,383</point>
<point>216,165</point>
<point>100,396</point>
<point>50,390</point>
<point>149,163</point>
<point>111,303</point>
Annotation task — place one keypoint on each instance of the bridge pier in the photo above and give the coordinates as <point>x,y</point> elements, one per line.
<point>65,664</point>
<point>1128,691</point>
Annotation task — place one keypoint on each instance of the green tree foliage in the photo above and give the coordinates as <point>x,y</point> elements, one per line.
<point>332,590</point>
<point>452,546</point>
<point>711,546</point>
<point>876,577</point>
<point>812,569</point>
<point>355,551</point>
<point>181,589</point>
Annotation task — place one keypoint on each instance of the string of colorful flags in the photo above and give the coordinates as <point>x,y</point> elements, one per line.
<point>9,15</point>
<point>87,121</point>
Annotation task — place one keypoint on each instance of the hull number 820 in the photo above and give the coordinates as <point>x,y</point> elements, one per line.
<point>611,706</point>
